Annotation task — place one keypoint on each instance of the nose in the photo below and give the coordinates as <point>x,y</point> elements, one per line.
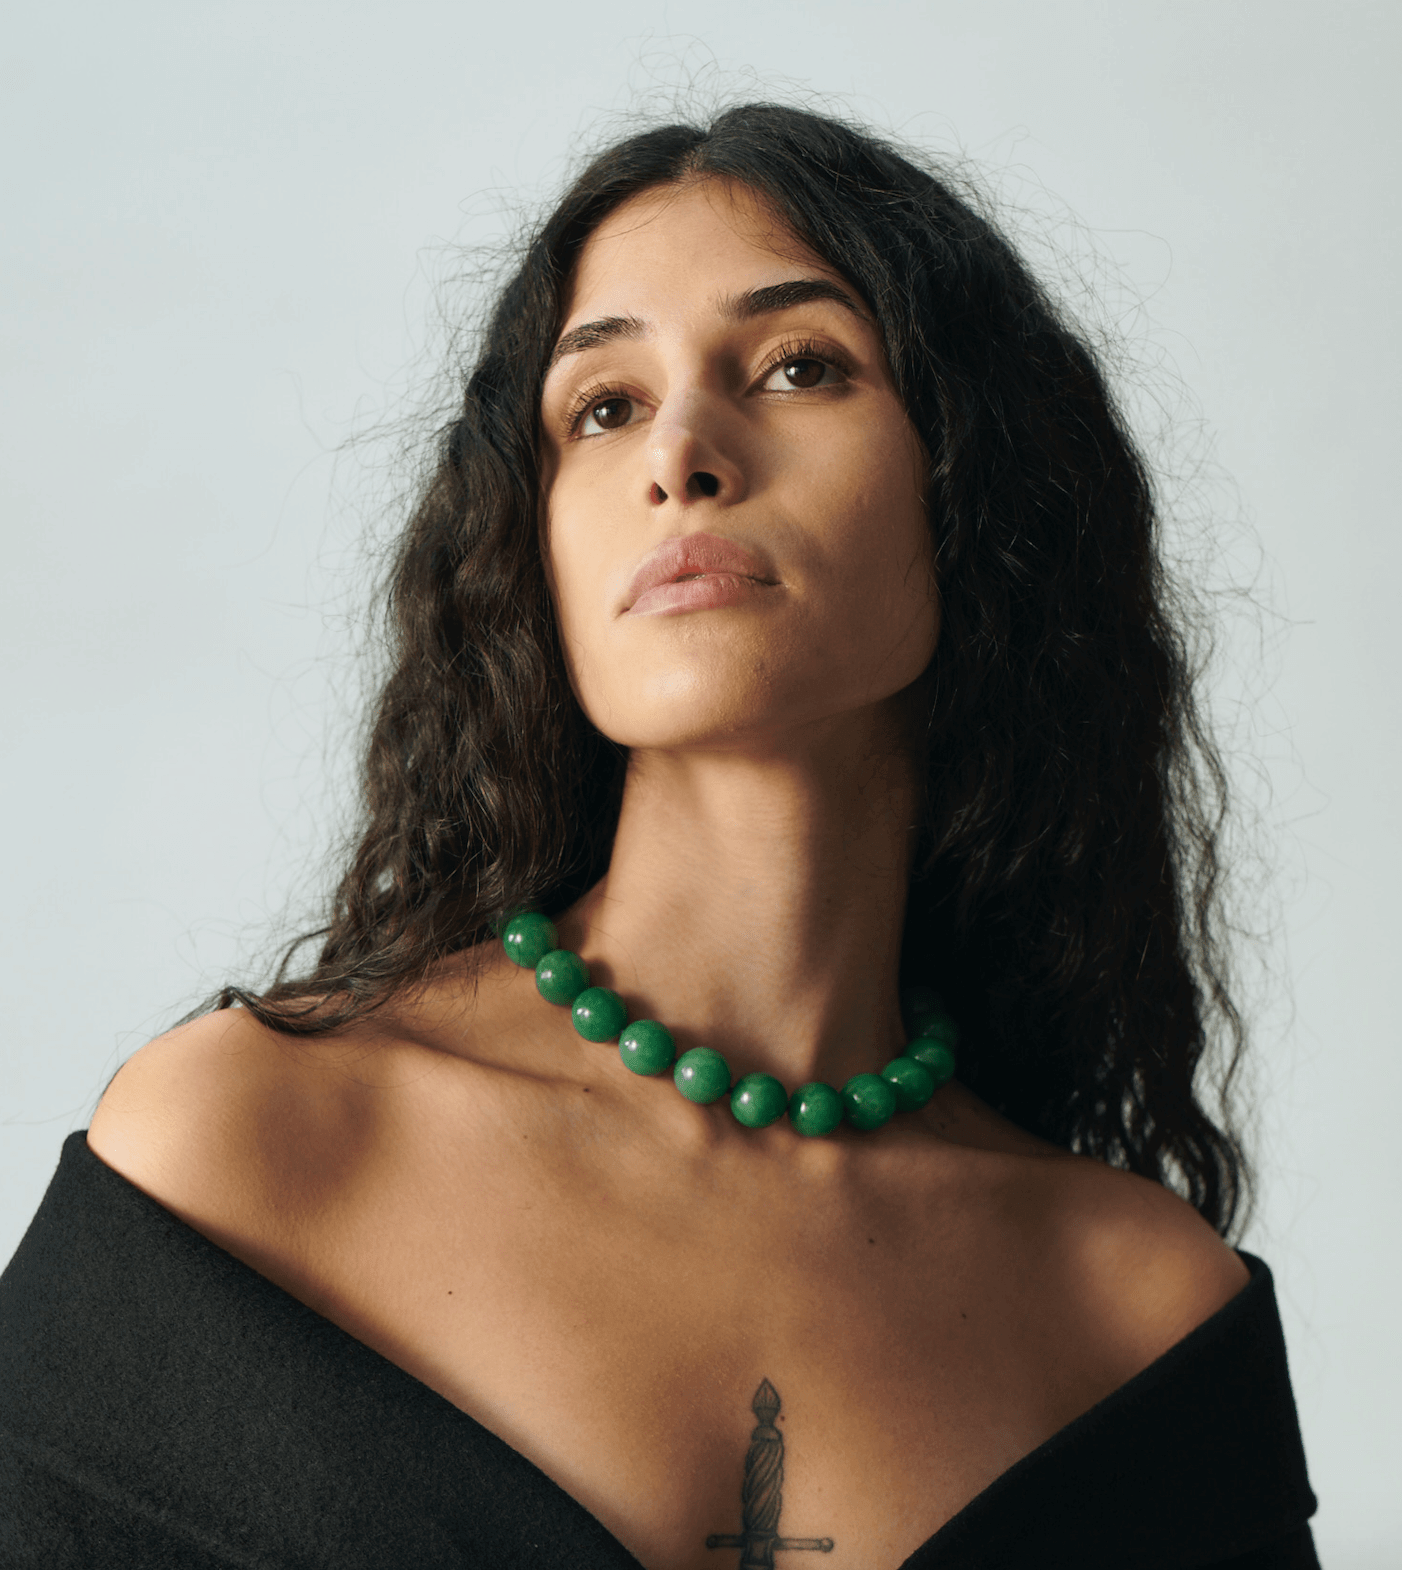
<point>691,453</point>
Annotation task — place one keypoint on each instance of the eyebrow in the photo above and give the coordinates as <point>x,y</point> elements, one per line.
<point>784,296</point>
<point>735,308</point>
<point>591,334</point>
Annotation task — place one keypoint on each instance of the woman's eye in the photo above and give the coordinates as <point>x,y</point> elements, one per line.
<point>800,372</point>
<point>609,414</point>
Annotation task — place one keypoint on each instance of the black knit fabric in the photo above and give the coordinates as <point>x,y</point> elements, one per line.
<point>163,1405</point>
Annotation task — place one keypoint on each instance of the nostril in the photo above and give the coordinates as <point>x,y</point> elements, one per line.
<point>707,484</point>
<point>658,496</point>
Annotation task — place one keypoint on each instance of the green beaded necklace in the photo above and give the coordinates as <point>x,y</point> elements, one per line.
<point>702,1075</point>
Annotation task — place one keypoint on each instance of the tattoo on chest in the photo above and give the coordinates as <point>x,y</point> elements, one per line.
<point>761,1495</point>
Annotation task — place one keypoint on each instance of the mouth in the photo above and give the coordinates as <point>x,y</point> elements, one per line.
<point>696,572</point>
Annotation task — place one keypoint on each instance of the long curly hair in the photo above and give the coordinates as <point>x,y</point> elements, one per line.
<point>1066,894</point>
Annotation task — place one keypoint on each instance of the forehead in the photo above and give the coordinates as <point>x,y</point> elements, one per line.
<point>682,247</point>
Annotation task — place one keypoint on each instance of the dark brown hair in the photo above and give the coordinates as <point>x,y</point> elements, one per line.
<point>1067,886</point>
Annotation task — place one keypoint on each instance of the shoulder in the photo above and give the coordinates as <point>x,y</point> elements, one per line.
<point>244,1131</point>
<point>178,1087</point>
<point>255,1136</point>
<point>1138,1267</point>
<point>1120,1267</point>
<point>206,1117</point>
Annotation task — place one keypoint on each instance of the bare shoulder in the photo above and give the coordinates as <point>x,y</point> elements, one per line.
<point>1124,1267</point>
<point>252,1133</point>
<point>255,1136</point>
<point>1139,1266</point>
<point>184,1088</point>
<point>206,1117</point>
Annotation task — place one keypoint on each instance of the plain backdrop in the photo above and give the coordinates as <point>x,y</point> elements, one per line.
<point>234,247</point>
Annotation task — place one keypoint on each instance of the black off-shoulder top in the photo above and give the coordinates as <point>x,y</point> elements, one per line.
<point>164,1405</point>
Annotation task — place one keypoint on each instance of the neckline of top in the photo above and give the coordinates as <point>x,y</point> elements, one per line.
<point>1243,1302</point>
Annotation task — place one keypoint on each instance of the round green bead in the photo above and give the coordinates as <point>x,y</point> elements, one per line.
<point>599,1014</point>
<point>938,1025</point>
<point>937,1056</point>
<point>702,1075</point>
<point>815,1109</point>
<point>528,937</point>
<point>913,1082</point>
<point>869,1101</point>
<point>560,976</point>
<point>758,1100</point>
<point>916,1001</point>
<point>647,1047</point>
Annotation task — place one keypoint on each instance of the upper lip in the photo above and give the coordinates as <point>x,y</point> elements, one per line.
<point>691,555</point>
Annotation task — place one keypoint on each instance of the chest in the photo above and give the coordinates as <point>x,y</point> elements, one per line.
<point>697,1350</point>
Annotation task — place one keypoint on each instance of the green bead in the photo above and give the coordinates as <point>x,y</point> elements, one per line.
<point>869,1101</point>
<point>937,1056</point>
<point>815,1109</point>
<point>599,1014</point>
<point>758,1100</point>
<point>916,1001</point>
<point>560,976</point>
<point>702,1075</point>
<point>647,1047</point>
<point>528,938</point>
<point>913,1082</point>
<point>937,1024</point>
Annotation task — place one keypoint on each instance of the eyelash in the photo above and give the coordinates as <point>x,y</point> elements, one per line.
<point>799,349</point>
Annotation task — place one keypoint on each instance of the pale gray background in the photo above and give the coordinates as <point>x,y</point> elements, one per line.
<point>225,231</point>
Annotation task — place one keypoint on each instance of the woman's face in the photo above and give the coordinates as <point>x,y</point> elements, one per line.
<point>735,534</point>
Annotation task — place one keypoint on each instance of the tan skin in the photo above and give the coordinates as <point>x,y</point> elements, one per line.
<point>595,1269</point>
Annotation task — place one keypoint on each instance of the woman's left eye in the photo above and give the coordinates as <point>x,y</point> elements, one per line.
<point>800,372</point>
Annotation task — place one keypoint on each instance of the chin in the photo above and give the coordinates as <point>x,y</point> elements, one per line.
<point>685,709</point>
<point>700,730</point>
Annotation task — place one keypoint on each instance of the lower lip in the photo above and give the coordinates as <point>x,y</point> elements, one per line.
<point>697,594</point>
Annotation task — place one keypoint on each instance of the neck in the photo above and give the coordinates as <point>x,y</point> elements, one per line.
<point>755,899</point>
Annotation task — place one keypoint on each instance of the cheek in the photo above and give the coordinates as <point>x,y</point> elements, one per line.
<point>882,542</point>
<point>565,565</point>
<point>577,560</point>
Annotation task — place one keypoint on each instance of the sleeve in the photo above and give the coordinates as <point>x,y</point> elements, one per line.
<point>1294,1551</point>
<point>53,1519</point>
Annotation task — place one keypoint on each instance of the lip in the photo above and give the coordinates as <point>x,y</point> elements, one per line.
<point>695,572</point>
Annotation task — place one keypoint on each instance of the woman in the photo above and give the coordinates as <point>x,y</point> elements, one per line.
<point>781,625</point>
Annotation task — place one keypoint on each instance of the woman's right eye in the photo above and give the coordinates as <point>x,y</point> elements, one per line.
<point>609,414</point>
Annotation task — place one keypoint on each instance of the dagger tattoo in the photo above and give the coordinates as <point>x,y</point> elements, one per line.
<point>761,1497</point>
